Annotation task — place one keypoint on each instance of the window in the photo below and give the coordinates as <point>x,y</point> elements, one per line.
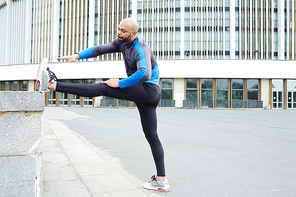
<point>222,93</point>
<point>75,100</point>
<point>24,86</point>
<point>207,92</point>
<point>51,98</point>
<point>237,93</point>
<point>253,93</point>
<point>167,93</point>
<point>87,101</point>
<point>191,89</point>
<point>5,86</point>
<point>167,89</point>
<point>253,89</point>
<point>63,97</point>
<point>14,86</point>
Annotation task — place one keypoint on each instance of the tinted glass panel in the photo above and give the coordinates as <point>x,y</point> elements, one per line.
<point>207,83</point>
<point>237,84</point>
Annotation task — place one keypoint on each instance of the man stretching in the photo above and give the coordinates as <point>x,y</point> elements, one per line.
<point>141,86</point>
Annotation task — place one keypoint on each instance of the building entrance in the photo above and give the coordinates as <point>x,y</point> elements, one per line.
<point>277,100</point>
<point>291,99</point>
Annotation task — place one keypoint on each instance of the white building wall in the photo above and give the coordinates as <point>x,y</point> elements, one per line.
<point>265,92</point>
<point>253,69</point>
<point>179,91</point>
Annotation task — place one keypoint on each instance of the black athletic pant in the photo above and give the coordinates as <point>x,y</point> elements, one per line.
<point>146,96</point>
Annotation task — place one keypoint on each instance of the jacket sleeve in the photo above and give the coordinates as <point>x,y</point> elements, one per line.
<point>143,65</point>
<point>100,50</point>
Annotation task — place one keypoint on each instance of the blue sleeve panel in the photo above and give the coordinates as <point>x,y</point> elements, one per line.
<point>86,53</point>
<point>100,50</point>
<point>144,68</point>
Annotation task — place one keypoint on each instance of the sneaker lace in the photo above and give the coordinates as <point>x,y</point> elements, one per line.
<point>153,178</point>
<point>51,75</point>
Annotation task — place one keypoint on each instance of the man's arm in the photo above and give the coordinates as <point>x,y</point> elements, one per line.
<point>100,50</point>
<point>93,51</point>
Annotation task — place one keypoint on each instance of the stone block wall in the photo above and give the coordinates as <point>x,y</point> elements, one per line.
<point>21,143</point>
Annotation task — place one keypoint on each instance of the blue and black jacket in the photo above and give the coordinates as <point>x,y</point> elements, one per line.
<point>139,60</point>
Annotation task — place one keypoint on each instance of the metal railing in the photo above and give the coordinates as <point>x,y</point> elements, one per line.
<point>222,104</point>
<point>167,103</point>
<point>191,103</point>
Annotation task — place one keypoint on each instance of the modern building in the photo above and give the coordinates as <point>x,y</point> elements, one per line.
<point>211,53</point>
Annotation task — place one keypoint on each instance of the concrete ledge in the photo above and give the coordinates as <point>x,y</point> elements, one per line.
<point>21,133</point>
<point>21,101</point>
<point>21,143</point>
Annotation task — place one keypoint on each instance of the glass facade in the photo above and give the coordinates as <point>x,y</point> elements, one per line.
<point>222,93</point>
<point>207,93</point>
<point>167,93</point>
<point>237,93</point>
<point>24,85</point>
<point>75,99</point>
<point>191,89</point>
<point>167,89</point>
<point>87,101</point>
<point>253,89</point>
<point>63,97</point>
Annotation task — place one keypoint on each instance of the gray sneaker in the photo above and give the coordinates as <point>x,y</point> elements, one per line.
<point>156,185</point>
<point>44,76</point>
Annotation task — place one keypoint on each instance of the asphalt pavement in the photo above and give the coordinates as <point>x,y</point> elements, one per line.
<point>215,153</point>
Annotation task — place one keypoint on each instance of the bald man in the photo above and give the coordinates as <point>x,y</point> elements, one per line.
<point>141,86</point>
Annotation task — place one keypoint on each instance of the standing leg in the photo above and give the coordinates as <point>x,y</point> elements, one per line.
<point>149,125</point>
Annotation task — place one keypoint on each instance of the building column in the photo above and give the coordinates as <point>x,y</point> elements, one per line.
<point>270,94</point>
<point>31,85</point>
<point>28,29</point>
<point>285,94</point>
<point>179,91</point>
<point>134,9</point>
<point>8,37</point>
<point>182,29</point>
<point>55,31</point>
<point>232,29</point>
<point>264,92</point>
<point>281,30</point>
<point>91,31</point>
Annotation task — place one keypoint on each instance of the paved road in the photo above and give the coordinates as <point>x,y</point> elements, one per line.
<point>208,152</point>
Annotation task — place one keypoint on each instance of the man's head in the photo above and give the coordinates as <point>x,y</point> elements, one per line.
<point>127,30</point>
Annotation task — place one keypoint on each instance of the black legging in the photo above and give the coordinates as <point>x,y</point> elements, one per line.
<point>146,96</point>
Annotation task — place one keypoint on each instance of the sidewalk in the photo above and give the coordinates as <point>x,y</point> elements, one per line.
<point>73,167</point>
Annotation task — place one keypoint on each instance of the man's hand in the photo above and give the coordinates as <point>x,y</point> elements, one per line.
<point>112,82</point>
<point>69,58</point>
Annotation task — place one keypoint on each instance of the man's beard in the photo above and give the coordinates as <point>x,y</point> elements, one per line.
<point>125,40</point>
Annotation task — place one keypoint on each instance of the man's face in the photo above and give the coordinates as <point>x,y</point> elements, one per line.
<point>124,33</point>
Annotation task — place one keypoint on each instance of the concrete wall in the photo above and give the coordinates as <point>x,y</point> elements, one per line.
<point>21,143</point>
